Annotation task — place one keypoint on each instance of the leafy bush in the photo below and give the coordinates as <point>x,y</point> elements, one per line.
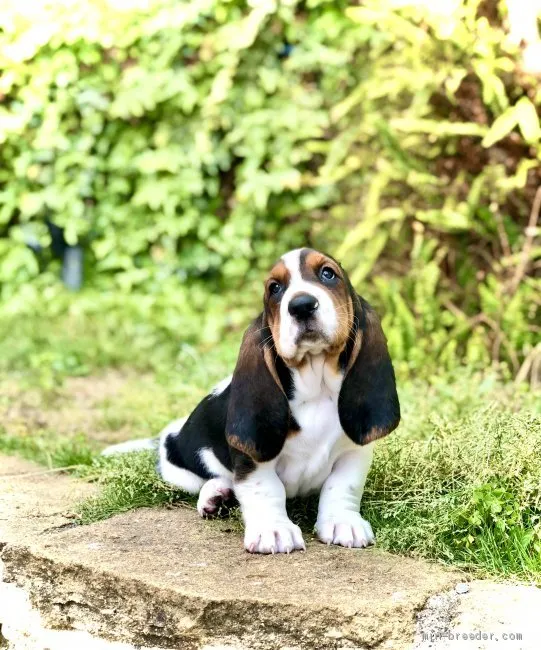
<point>189,144</point>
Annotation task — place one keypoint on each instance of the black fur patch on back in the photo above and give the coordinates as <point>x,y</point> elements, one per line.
<point>205,428</point>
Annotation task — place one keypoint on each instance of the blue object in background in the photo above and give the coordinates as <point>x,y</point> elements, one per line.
<point>71,256</point>
<point>286,50</point>
<point>72,267</point>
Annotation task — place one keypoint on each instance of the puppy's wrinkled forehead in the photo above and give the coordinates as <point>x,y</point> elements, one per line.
<point>280,273</point>
<point>303,264</point>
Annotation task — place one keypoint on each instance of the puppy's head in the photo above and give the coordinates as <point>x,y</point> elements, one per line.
<point>310,308</point>
<point>308,305</point>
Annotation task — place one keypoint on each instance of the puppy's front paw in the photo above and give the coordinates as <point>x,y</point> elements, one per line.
<point>346,529</point>
<point>281,536</point>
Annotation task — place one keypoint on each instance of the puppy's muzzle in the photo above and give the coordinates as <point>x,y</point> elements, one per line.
<point>302,306</point>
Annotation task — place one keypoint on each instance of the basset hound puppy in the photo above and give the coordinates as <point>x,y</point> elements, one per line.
<point>312,390</point>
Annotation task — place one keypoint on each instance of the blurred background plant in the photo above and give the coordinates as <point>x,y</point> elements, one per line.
<point>183,146</point>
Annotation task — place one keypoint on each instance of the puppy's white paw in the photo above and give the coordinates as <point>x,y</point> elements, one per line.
<point>346,529</point>
<point>215,493</point>
<point>281,536</point>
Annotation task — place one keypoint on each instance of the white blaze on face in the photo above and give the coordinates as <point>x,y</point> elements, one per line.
<point>325,319</point>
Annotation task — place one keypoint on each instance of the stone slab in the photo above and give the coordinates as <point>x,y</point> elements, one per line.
<point>166,578</point>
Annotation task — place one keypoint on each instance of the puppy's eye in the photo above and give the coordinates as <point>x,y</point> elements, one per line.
<point>275,288</point>
<point>327,273</point>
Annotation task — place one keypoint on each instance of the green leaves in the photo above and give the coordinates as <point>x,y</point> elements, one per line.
<point>195,142</point>
<point>528,120</point>
<point>524,115</point>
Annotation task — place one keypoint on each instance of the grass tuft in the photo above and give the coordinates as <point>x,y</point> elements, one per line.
<point>460,481</point>
<point>127,481</point>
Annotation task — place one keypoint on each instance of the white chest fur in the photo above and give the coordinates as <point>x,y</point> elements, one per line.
<point>308,456</point>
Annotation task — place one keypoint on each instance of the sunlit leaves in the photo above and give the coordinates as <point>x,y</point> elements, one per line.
<point>186,141</point>
<point>524,115</point>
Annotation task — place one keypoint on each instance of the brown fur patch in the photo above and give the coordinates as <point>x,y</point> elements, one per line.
<point>375,434</point>
<point>374,334</point>
<point>269,361</point>
<point>355,351</point>
<point>245,448</point>
<point>314,260</point>
<point>332,361</point>
<point>279,273</point>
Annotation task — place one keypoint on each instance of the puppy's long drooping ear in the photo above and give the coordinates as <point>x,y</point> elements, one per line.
<point>258,415</point>
<point>368,402</point>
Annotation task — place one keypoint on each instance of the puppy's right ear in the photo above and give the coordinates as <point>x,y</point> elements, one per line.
<point>258,414</point>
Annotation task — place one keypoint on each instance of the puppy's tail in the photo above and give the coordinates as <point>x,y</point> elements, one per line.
<point>144,444</point>
<point>131,445</point>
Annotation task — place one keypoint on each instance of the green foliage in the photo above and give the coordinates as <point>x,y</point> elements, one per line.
<point>62,338</point>
<point>186,145</point>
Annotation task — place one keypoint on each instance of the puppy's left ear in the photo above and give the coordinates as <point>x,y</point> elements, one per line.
<point>368,402</point>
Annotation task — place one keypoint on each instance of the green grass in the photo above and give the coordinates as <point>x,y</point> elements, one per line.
<point>127,481</point>
<point>49,449</point>
<point>459,482</point>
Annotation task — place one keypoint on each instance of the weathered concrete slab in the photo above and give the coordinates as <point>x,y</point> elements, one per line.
<point>166,578</point>
<point>33,499</point>
<point>483,615</point>
<point>21,627</point>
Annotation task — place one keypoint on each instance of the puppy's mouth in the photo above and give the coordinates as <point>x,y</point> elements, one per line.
<point>310,335</point>
<point>308,341</point>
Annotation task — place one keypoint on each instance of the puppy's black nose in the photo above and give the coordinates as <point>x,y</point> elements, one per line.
<point>302,306</point>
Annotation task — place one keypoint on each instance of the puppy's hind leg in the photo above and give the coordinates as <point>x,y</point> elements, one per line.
<point>216,494</point>
<point>173,473</point>
<point>215,487</point>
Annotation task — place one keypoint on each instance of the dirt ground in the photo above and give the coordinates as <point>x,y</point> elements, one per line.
<point>82,405</point>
